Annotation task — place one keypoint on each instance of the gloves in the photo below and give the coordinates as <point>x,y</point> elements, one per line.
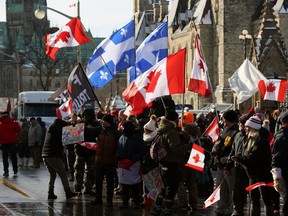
<point>279,183</point>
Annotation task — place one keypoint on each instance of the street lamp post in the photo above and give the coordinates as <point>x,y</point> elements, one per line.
<point>245,40</point>
<point>40,14</point>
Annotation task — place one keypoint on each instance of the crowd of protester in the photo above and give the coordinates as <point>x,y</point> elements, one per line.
<point>251,148</point>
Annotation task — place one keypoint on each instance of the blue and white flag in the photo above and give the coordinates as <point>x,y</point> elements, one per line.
<point>118,52</point>
<point>152,50</point>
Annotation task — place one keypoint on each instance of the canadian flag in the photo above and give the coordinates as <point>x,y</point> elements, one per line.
<point>196,159</point>
<point>214,197</point>
<point>65,109</point>
<point>199,80</point>
<point>165,78</point>
<point>213,130</point>
<point>72,34</point>
<point>273,89</point>
<point>259,184</point>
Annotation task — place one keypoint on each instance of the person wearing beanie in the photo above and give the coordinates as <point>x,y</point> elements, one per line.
<point>105,160</point>
<point>280,160</point>
<point>130,151</point>
<point>85,157</point>
<point>169,165</point>
<point>256,158</point>
<point>220,155</point>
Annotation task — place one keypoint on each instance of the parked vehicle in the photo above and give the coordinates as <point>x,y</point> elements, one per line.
<point>36,104</point>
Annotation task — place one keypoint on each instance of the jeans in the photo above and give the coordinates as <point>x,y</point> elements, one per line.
<point>9,150</point>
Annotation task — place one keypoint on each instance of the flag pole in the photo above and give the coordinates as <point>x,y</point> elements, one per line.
<point>209,80</point>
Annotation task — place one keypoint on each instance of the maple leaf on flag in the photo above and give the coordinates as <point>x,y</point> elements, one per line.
<point>271,87</point>
<point>201,66</point>
<point>196,158</point>
<point>153,78</point>
<point>65,109</point>
<point>64,36</point>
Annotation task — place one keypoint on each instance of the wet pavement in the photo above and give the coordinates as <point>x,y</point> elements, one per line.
<point>26,194</point>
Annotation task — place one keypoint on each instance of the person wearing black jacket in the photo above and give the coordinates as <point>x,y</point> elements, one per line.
<point>85,157</point>
<point>256,158</point>
<point>53,156</point>
<point>220,154</point>
<point>280,161</point>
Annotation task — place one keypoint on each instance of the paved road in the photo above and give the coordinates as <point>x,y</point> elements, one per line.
<point>26,194</point>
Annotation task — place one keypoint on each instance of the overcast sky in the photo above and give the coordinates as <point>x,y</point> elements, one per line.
<point>100,16</point>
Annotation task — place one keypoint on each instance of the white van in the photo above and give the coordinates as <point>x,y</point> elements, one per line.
<point>36,104</point>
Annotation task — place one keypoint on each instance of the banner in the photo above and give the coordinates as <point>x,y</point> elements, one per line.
<point>153,182</point>
<point>73,134</point>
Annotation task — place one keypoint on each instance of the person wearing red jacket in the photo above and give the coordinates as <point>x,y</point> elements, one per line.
<point>8,140</point>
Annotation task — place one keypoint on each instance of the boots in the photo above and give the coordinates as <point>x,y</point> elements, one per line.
<point>26,162</point>
<point>51,195</point>
<point>70,194</point>
<point>20,162</point>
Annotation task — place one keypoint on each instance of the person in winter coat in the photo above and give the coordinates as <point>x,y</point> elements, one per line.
<point>105,160</point>
<point>169,165</point>
<point>85,157</point>
<point>256,158</point>
<point>23,149</point>
<point>280,161</point>
<point>53,156</point>
<point>130,151</point>
<point>35,142</point>
<point>220,154</point>
<point>8,140</point>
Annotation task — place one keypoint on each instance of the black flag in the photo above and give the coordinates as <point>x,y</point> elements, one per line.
<point>80,89</point>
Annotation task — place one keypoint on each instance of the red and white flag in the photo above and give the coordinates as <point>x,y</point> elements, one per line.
<point>65,109</point>
<point>199,79</point>
<point>273,89</point>
<point>196,159</point>
<point>165,78</point>
<point>214,197</point>
<point>89,145</point>
<point>72,34</point>
<point>259,184</point>
<point>213,130</point>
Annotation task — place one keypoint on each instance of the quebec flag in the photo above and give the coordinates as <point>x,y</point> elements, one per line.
<point>152,50</point>
<point>117,51</point>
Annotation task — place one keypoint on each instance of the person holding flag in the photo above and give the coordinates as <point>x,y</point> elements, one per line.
<point>220,153</point>
<point>256,158</point>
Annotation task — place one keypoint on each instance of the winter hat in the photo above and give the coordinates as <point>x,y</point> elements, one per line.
<point>254,122</point>
<point>108,118</point>
<point>151,125</point>
<point>284,118</point>
<point>251,112</point>
<point>171,115</point>
<point>266,124</point>
<point>186,109</point>
<point>243,119</point>
<point>230,116</point>
<point>192,129</point>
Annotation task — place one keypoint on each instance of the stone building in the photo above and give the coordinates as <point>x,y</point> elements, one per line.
<point>219,24</point>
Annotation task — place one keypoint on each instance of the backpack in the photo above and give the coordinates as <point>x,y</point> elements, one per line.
<point>159,148</point>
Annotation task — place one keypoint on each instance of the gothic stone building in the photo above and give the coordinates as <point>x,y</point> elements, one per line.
<point>219,24</point>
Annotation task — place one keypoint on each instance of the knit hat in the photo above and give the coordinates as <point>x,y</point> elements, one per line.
<point>115,112</point>
<point>192,129</point>
<point>230,116</point>
<point>284,118</point>
<point>171,115</point>
<point>151,125</point>
<point>108,118</point>
<point>186,109</point>
<point>254,122</point>
<point>243,119</point>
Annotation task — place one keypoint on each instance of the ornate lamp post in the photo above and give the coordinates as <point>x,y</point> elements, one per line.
<point>40,14</point>
<point>245,40</point>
